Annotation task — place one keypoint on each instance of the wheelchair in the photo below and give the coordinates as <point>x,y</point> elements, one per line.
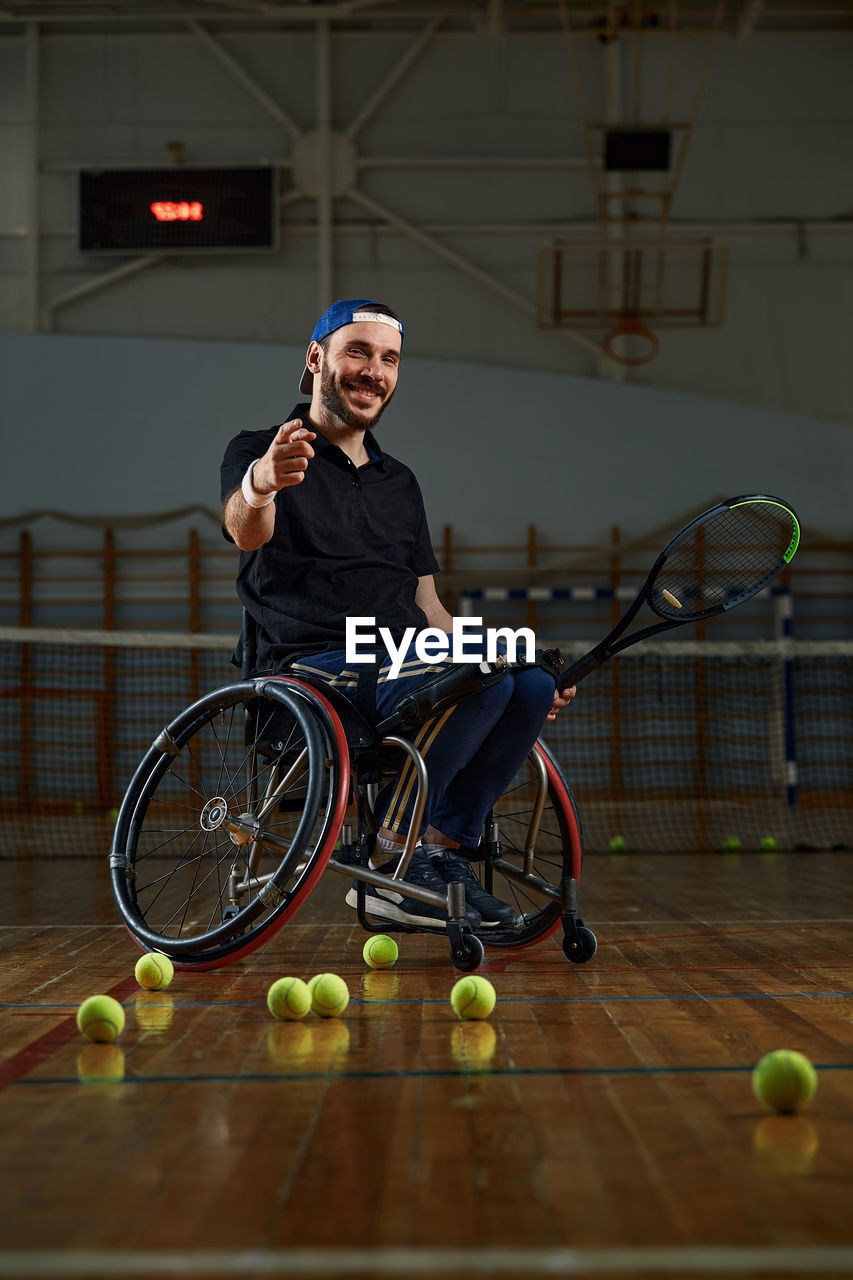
<point>260,787</point>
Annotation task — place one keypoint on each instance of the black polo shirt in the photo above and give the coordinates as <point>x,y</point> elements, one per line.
<point>349,542</point>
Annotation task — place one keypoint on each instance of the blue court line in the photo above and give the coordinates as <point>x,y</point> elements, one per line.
<point>420,1074</point>
<point>602,999</point>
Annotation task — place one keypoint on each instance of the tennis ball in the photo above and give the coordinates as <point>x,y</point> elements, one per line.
<point>768,843</point>
<point>380,952</point>
<point>730,843</point>
<point>473,997</point>
<point>329,995</point>
<point>618,844</point>
<point>784,1080</point>
<point>154,971</point>
<point>101,1019</point>
<point>288,999</point>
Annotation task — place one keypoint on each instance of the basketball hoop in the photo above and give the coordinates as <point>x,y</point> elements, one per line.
<point>630,327</point>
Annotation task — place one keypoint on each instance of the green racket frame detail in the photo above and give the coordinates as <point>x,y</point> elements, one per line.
<point>611,645</point>
<point>795,539</point>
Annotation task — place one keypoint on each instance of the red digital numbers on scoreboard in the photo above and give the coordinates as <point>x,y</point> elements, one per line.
<point>178,211</point>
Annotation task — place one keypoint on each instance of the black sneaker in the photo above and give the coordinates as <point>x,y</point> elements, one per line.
<point>389,904</point>
<point>453,866</point>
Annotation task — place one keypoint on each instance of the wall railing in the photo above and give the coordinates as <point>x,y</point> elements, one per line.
<point>110,579</point>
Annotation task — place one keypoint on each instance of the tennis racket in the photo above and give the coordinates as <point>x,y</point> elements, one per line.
<point>715,563</point>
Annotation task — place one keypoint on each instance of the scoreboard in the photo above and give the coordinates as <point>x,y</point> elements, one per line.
<point>176,210</point>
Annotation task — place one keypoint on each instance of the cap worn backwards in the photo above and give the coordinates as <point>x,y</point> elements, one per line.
<point>346,311</point>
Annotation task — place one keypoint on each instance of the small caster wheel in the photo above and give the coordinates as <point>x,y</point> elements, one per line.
<point>581,947</point>
<point>469,955</point>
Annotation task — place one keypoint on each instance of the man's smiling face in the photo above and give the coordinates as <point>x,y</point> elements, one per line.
<point>358,373</point>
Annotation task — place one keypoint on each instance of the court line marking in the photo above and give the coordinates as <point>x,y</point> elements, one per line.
<point>54,1264</point>
<point>46,1045</point>
<point>595,999</point>
<point>431,1073</point>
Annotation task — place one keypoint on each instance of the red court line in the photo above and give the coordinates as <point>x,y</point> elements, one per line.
<point>32,1055</point>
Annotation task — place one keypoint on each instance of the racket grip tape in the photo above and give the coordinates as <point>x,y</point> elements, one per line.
<point>576,672</point>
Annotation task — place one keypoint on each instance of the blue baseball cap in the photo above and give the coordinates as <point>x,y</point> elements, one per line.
<point>347,311</point>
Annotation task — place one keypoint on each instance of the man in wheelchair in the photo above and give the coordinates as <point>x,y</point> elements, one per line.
<point>331,527</point>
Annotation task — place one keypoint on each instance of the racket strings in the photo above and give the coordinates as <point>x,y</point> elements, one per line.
<point>723,561</point>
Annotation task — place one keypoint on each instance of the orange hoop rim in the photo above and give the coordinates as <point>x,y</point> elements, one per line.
<point>631,325</point>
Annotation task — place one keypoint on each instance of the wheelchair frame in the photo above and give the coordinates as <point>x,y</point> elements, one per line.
<point>245,795</point>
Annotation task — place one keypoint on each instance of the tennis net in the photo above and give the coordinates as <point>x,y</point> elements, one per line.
<point>674,746</point>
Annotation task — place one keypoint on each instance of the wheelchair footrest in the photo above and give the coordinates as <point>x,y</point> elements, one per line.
<point>372,924</point>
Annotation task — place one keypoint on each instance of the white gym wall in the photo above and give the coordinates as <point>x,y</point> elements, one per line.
<point>462,154</point>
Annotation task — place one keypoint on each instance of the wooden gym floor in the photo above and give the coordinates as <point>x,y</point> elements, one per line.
<point>600,1123</point>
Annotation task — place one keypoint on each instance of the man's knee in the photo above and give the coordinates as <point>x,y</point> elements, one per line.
<point>536,688</point>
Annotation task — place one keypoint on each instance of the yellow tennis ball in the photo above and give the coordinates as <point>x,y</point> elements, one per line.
<point>473,997</point>
<point>380,952</point>
<point>288,999</point>
<point>784,1080</point>
<point>154,971</point>
<point>101,1019</point>
<point>329,995</point>
<point>768,843</point>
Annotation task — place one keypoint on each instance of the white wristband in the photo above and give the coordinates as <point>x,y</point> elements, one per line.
<point>250,493</point>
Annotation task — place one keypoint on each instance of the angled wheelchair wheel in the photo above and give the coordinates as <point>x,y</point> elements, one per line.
<point>229,821</point>
<point>539,844</point>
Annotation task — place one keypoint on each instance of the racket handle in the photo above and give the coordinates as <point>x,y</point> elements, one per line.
<point>576,672</point>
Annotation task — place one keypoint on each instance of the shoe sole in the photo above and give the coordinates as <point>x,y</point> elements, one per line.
<point>385,909</point>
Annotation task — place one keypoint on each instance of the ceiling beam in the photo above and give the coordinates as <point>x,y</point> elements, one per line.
<point>462,264</point>
<point>246,80</point>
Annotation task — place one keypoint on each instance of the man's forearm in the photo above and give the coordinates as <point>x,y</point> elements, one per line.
<point>249,511</point>
<point>250,527</point>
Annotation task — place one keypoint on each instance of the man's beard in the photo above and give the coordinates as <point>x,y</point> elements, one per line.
<point>334,404</point>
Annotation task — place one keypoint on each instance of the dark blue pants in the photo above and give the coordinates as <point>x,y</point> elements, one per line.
<point>472,750</point>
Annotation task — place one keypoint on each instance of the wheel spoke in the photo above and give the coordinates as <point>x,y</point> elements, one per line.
<point>182,834</point>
